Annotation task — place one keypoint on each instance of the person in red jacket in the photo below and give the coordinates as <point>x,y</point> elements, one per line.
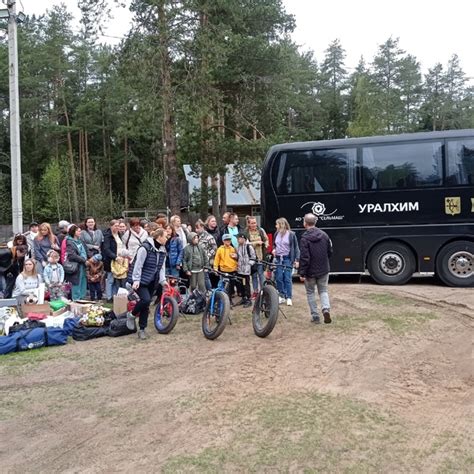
<point>315,250</point>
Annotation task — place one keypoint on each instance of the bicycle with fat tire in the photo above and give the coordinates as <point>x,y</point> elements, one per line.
<point>167,311</point>
<point>266,307</point>
<point>217,311</point>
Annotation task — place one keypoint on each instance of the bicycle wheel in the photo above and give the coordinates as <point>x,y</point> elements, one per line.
<point>215,319</point>
<point>265,311</point>
<point>166,315</point>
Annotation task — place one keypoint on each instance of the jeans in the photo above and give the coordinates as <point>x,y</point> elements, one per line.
<point>145,292</point>
<point>322,284</point>
<point>172,272</point>
<point>95,290</point>
<point>207,281</point>
<point>258,278</point>
<point>283,277</point>
<point>110,286</point>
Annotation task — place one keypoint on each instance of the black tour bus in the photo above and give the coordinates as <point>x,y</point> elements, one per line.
<point>392,205</point>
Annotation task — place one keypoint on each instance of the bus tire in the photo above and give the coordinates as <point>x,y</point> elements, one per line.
<point>455,264</point>
<point>391,263</point>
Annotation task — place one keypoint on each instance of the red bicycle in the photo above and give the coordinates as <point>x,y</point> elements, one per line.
<point>167,311</point>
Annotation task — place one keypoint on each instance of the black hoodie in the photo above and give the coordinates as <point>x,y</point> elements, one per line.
<point>315,248</point>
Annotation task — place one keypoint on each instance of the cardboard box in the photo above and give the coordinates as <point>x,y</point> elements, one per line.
<point>79,308</point>
<point>63,310</point>
<point>120,304</point>
<point>35,308</point>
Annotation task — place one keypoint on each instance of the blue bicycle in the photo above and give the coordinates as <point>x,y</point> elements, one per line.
<point>216,314</point>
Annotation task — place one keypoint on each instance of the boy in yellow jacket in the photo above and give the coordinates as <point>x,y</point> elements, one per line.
<point>226,261</point>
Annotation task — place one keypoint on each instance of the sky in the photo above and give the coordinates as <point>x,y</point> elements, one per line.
<point>430,30</point>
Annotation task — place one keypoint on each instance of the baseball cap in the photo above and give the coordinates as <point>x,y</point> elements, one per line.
<point>226,237</point>
<point>241,235</point>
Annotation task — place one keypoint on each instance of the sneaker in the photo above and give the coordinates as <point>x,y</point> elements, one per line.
<point>247,303</point>
<point>281,300</point>
<point>327,316</point>
<point>289,302</point>
<point>142,335</point>
<point>130,321</point>
<point>315,320</point>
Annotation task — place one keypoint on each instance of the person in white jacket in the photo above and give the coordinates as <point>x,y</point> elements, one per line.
<point>134,237</point>
<point>27,282</point>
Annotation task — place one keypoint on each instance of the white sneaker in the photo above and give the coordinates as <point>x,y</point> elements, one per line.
<point>289,302</point>
<point>281,300</point>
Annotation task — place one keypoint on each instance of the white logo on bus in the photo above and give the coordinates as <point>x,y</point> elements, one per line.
<point>319,209</point>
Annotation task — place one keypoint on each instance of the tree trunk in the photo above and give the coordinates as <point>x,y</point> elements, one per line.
<point>169,137</point>
<point>86,154</point>
<point>215,194</point>
<point>204,196</point>
<point>70,153</point>
<point>223,192</point>
<point>111,194</point>
<point>125,172</point>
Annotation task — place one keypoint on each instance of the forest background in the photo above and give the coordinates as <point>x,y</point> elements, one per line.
<point>203,82</point>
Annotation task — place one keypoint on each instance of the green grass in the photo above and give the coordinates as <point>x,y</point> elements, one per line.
<point>311,433</point>
<point>384,299</point>
<point>396,314</point>
<point>18,362</point>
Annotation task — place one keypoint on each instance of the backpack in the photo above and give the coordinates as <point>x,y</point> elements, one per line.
<point>118,327</point>
<point>194,303</point>
<point>84,333</point>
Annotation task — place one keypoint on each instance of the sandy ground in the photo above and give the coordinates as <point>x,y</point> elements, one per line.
<point>113,405</point>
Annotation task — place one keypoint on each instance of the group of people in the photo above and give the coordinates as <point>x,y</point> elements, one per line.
<point>81,258</point>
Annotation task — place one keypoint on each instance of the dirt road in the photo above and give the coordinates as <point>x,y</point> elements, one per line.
<point>387,387</point>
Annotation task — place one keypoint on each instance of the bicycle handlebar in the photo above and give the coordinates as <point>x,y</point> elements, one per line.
<point>177,278</point>
<point>274,265</point>
<point>223,274</point>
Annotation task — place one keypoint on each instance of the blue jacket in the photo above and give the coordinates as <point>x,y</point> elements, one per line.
<point>174,247</point>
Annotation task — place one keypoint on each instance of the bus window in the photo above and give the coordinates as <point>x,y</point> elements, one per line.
<point>409,165</point>
<point>460,162</point>
<point>315,171</point>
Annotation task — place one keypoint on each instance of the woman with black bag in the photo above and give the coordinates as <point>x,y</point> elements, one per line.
<point>75,264</point>
<point>147,272</point>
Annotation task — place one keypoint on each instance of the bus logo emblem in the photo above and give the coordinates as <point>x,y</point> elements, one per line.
<point>452,205</point>
<point>318,209</point>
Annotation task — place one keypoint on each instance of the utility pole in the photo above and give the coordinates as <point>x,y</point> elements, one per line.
<point>15,153</point>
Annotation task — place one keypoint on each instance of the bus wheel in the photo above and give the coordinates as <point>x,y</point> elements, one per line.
<point>455,264</point>
<point>391,263</point>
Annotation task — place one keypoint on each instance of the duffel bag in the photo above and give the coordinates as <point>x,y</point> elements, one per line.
<point>8,343</point>
<point>84,333</point>
<point>40,337</point>
<point>118,327</point>
<point>28,324</point>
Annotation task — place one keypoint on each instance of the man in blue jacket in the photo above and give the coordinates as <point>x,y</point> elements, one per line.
<point>315,248</point>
